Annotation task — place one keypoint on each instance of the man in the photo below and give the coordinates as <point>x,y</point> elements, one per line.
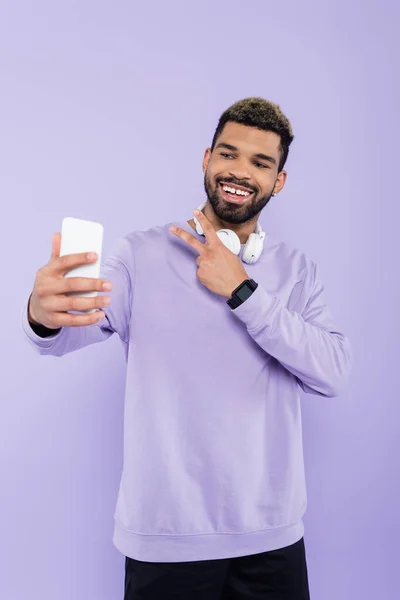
<point>217,346</point>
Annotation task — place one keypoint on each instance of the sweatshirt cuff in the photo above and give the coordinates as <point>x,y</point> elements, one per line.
<point>258,310</point>
<point>38,341</point>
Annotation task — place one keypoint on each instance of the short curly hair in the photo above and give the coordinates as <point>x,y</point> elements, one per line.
<point>261,114</point>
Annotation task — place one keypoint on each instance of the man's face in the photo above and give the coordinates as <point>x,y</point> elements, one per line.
<point>241,173</point>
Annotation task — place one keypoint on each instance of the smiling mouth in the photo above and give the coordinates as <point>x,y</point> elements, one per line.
<point>235,193</point>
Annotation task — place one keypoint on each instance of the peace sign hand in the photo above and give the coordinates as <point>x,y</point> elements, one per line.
<point>219,269</point>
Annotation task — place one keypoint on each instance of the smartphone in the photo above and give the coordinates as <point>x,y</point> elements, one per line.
<point>78,235</point>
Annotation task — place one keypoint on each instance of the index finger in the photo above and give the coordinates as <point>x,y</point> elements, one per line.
<point>209,231</point>
<point>65,263</point>
<point>55,246</point>
<point>188,238</point>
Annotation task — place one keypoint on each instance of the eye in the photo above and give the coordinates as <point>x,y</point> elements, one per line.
<point>225,155</point>
<point>261,166</point>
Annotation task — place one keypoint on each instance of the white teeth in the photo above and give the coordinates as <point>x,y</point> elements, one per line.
<point>235,191</point>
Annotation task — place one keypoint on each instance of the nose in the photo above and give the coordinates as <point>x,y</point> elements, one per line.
<point>239,170</point>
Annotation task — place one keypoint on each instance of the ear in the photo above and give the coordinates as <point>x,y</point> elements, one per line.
<point>280,181</point>
<point>206,159</point>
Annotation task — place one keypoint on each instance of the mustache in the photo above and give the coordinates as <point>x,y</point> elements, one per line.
<point>237,182</point>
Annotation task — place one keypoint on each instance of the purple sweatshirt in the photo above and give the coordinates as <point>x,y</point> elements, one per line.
<point>213,456</point>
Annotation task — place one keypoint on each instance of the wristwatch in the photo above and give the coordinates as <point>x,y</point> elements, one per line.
<point>242,292</point>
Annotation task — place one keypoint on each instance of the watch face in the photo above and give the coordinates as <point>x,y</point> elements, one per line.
<point>244,292</point>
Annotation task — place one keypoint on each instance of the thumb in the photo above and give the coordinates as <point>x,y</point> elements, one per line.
<point>56,245</point>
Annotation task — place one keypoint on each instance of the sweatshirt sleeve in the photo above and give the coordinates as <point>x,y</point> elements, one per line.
<point>116,269</point>
<point>307,344</point>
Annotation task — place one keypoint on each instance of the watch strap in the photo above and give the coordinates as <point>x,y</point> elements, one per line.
<point>241,293</point>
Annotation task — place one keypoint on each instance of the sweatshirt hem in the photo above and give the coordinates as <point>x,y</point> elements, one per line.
<point>213,546</point>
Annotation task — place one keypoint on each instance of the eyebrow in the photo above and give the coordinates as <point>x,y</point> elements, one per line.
<point>260,155</point>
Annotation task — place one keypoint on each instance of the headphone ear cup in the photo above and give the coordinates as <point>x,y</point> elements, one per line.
<point>253,249</point>
<point>199,228</point>
<point>230,239</point>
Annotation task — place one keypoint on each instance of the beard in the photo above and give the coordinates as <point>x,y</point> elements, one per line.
<point>236,214</point>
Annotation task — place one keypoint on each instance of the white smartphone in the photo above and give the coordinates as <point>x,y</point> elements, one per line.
<point>78,235</point>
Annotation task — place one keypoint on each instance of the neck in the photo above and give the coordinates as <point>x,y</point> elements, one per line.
<point>242,230</point>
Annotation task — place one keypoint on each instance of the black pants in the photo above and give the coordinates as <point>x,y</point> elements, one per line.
<point>275,575</point>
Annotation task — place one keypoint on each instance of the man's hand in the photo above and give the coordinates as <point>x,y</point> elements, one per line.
<point>219,269</point>
<point>49,303</point>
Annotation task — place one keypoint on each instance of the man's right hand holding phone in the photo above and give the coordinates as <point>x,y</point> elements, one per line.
<point>49,303</point>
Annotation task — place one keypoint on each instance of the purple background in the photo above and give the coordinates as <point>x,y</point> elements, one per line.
<point>106,109</point>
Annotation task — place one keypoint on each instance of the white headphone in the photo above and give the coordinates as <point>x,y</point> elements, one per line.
<point>253,247</point>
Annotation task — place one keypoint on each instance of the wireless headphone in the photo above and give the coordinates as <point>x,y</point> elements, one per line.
<point>253,247</point>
